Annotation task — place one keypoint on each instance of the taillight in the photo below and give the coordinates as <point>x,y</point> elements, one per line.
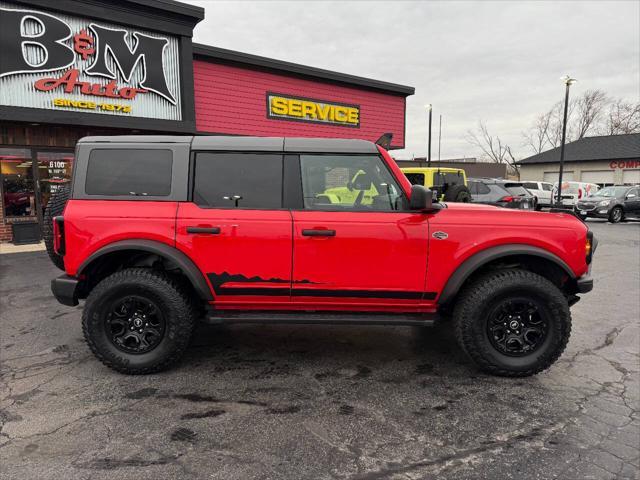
<point>579,193</point>
<point>590,246</point>
<point>58,235</point>
<point>507,199</point>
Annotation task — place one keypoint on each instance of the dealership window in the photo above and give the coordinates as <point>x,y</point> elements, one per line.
<point>344,182</point>
<point>54,171</point>
<point>18,184</point>
<point>243,180</point>
<point>129,172</point>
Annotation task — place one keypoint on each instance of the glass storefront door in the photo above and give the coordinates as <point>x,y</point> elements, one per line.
<point>28,178</point>
<point>54,170</point>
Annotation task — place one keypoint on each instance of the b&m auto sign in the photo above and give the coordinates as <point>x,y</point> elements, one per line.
<point>62,62</point>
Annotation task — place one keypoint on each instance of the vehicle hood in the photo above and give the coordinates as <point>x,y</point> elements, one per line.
<point>596,199</point>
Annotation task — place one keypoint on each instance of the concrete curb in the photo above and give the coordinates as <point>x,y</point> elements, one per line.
<point>11,248</point>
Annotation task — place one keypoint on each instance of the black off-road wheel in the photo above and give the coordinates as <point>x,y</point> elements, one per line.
<point>616,215</point>
<point>458,194</point>
<point>54,207</point>
<point>138,321</point>
<point>512,323</point>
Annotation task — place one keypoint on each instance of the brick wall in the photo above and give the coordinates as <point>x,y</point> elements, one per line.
<point>5,229</point>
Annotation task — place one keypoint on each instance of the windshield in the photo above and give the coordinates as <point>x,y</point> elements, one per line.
<point>610,192</point>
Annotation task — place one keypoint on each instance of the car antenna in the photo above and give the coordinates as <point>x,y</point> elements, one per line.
<point>385,140</point>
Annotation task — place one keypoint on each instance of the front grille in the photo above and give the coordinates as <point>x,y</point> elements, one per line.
<point>587,207</point>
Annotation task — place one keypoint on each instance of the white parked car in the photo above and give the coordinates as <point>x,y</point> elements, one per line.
<point>541,191</point>
<point>573,191</point>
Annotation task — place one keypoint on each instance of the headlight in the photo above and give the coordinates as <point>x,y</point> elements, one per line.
<point>603,203</point>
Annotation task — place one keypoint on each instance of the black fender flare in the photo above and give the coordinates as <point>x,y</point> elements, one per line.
<point>191,271</point>
<point>473,263</point>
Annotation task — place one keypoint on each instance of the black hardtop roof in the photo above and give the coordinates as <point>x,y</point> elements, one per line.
<point>254,144</point>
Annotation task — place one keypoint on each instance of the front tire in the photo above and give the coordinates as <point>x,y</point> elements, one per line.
<point>138,321</point>
<point>616,215</point>
<point>512,323</point>
<point>458,194</point>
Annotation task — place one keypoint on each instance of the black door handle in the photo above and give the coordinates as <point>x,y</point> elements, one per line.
<point>319,233</point>
<point>211,230</point>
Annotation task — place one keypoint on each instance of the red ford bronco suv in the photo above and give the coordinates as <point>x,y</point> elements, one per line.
<point>159,231</point>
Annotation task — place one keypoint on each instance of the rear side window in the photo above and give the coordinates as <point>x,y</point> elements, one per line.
<point>516,189</point>
<point>530,185</point>
<point>238,180</point>
<point>415,178</point>
<point>447,179</point>
<point>136,172</point>
<point>478,188</point>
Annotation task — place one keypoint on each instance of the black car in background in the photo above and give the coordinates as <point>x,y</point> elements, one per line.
<point>502,193</point>
<point>613,203</point>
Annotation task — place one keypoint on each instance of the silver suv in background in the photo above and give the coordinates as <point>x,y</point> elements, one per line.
<point>501,193</point>
<point>541,191</point>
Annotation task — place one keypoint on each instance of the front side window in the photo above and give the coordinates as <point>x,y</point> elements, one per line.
<point>238,180</point>
<point>348,182</point>
<point>547,187</point>
<point>129,172</point>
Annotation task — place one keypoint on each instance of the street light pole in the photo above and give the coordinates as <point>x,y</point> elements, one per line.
<point>568,81</point>
<point>429,108</point>
<point>439,136</point>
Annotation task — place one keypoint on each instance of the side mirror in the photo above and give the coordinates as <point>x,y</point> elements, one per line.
<point>421,198</point>
<point>631,195</point>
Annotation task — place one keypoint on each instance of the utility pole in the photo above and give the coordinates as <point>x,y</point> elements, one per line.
<point>430,109</point>
<point>439,136</point>
<point>568,81</point>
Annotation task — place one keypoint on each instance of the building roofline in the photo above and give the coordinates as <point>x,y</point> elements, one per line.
<point>217,53</point>
<point>172,6</point>
<point>544,157</point>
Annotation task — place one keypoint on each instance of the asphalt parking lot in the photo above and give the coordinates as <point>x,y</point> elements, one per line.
<point>321,402</point>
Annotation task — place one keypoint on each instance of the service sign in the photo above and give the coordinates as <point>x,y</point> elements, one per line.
<point>62,62</point>
<point>286,107</point>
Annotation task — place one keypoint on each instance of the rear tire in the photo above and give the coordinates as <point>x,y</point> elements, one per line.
<point>458,194</point>
<point>138,321</point>
<point>55,207</point>
<point>616,215</point>
<point>543,328</point>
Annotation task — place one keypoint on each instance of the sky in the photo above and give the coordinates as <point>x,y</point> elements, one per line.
<point>495,61</point>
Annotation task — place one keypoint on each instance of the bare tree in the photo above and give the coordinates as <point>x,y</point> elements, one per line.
<point>623,117</point>
<point>536,137</point>
<point>584,115</point>
<point>492,147</point>
<point>589,109</point>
